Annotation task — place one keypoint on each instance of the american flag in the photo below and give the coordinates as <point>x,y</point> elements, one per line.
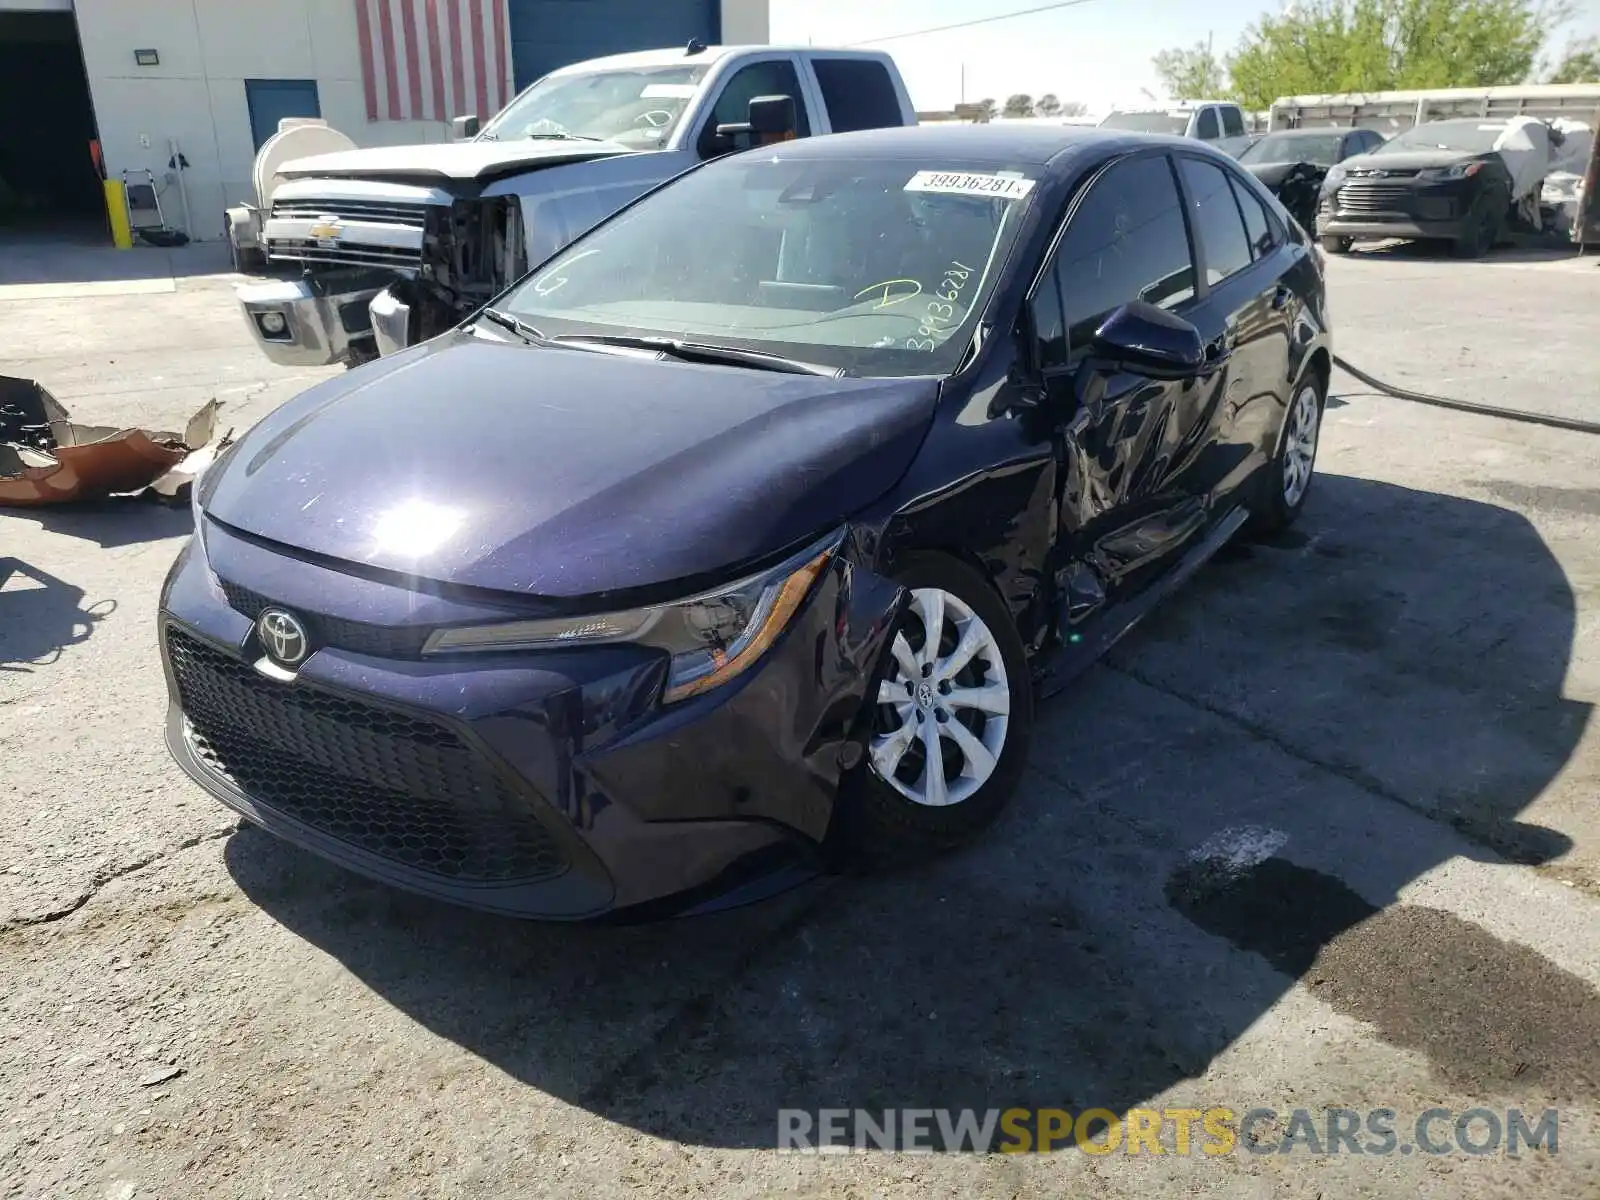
<point>430,60</point>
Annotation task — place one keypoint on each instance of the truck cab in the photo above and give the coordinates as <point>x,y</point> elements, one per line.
<point>398,244</point>
<point>1217,122</point>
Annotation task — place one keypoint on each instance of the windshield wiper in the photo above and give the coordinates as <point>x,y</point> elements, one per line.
<point>516,325</point>
<point>704,352</point>
<point>560,137</point>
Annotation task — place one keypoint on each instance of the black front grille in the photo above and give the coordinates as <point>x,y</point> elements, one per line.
<point>380,641</point>
<point>388,782</point>
<point>1361,196</point>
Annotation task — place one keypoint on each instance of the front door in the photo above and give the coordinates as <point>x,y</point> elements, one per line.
<point>271,100</point>
<point>1241,313</point>
<point>1124,511</point>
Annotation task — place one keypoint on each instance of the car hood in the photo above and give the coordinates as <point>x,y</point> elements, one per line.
<point>562,473</point>
<point>1407,160</point>
<point>448,160</point>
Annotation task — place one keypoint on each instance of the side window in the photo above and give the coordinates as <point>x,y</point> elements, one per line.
<point>1218,227</point>
<point>1232,122</point>
<point>1049,328</point>
<point>776,77</point>
<point>1126,241</point>
<point>1256,226</point>
<point>1206,129</point>
<point>859,94</point>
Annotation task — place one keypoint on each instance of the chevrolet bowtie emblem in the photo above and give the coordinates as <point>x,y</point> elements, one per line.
<point>327,229</point>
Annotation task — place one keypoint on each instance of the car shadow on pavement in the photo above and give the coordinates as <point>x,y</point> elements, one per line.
<point>1230,805</point>
<point>41,615</point>
<point>113,521</point>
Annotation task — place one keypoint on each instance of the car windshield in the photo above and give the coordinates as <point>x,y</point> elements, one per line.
<point>876,267</point>
<point>638,107</point>
<point>1321,149</point>
<point>1147,122</point>
<point>1469,137</point>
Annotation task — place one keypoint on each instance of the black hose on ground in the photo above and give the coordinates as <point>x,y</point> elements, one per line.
<point>1550,420</point>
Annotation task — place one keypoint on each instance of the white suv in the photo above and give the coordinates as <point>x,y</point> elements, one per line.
<point>1215,121</point>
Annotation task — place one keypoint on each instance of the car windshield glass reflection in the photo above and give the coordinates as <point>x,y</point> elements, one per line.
<point>1277,148</point>
<point>638,108</point>
<point>879,268</point>
<point>1469,137</point>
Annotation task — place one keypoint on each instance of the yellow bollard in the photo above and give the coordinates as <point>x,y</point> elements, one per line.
<point>117,210</point>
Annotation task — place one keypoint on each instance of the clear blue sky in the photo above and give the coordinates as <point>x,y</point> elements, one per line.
<point>1097,52</point>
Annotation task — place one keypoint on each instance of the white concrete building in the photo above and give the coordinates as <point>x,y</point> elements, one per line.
<point>212,77</point>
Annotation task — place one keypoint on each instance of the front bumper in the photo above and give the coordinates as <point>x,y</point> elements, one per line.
<point>548,785</point>
<point>316,321</point>
<point>1376,209</point>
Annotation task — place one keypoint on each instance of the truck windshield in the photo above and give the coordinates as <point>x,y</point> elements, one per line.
<point>638,107</point>
<point>1148,122</point>
<point>877,267</point>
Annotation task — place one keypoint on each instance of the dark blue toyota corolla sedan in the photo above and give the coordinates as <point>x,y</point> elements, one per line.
<point>741,537</point>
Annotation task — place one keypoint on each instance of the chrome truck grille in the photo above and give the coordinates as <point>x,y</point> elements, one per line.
<point>348,231</point>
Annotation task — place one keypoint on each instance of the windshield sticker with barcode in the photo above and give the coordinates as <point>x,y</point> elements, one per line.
<point>964,183</point>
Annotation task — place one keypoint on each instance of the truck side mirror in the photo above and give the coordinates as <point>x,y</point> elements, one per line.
<point>772,119</point>
<point>462,128</point>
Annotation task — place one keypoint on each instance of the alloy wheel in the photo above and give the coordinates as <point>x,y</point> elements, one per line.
<point>1300,445</point>
<point>944,706</point>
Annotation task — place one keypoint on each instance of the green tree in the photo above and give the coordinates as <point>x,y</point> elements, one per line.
<point>1580,63</point>
<point>1074,108</point>
<point>1047,105</point>
<point>1020,105</point>
<point>1377,45</point>
<point>1192,74</point>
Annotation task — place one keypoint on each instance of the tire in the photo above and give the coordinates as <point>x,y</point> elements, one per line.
<point>1286,481</point>
<point>889,814</point>
<point>1482,228</point>
<point>1334,244</point>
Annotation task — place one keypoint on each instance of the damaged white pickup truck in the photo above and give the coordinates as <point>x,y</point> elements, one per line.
<point>399,244</point>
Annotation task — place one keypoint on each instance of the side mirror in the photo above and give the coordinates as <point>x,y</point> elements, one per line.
<point>772,118</point>
<point>466,127</point>
<point>1145,340</point>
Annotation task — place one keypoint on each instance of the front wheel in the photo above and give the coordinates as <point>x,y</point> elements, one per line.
<point>1482,229</point>
<point>950,724</point>
<point>1286,480</point>
<point>1334,244</point>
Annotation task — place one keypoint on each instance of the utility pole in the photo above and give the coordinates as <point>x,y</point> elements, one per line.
<point>963,83</point>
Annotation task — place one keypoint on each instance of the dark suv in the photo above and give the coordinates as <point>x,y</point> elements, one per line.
<point>1441,180</point>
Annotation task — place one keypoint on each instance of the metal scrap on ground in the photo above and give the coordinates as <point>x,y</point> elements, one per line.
<point>45,458</point>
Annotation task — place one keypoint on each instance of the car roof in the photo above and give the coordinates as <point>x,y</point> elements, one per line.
<point>1310,131</point>
<point>1039,144</point>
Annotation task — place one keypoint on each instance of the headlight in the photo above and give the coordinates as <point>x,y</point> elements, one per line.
<point>712,637</point>
<point>1459,171</point>
<point>1333,178</point>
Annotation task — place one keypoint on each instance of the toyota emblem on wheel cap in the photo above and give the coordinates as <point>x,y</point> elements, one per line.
<point>282,637</point>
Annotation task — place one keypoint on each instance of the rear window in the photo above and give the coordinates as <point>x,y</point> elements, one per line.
<point>858,93</point>
<point>1206,129</point>
<point>1232,122</point>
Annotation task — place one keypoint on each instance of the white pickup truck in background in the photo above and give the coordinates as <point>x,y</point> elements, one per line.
<point>398,244</point>
<point>1218,122</point>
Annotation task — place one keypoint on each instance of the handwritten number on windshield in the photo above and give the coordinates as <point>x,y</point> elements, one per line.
<point>891,292</point>
<point>941,311</point>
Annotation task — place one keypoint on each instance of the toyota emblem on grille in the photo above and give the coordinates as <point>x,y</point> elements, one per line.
<point>282,637</point>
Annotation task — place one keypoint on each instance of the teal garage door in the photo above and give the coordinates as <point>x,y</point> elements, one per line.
<point>546,34</point>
